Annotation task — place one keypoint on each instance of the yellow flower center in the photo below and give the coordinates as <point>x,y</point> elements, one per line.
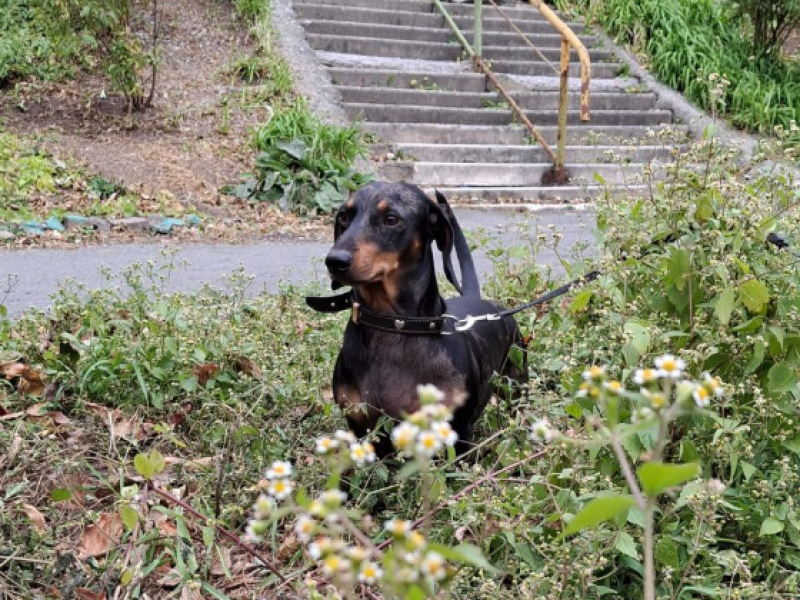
<point>702,393</point>
<point>658,401</point>
<point>614,386</point>
<point>428,441</point>
<point>669,365</point>
<point>595,372</point>
<point>280,486</point>
<point>369,572</point>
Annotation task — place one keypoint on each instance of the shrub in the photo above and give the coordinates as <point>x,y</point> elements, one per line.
<point>303,165</point>
<point>772,22</point>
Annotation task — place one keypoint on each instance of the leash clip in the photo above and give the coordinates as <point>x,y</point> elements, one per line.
<point>469,322</point>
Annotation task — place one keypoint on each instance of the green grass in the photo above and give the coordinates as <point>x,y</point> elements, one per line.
<point>686,41</point>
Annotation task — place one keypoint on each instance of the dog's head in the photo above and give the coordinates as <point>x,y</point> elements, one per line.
<point>383,231</point>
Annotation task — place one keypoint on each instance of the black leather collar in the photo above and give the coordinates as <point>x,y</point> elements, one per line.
<point>375,320</point>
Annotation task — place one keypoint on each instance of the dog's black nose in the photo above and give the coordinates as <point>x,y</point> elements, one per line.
<point>338,260</point>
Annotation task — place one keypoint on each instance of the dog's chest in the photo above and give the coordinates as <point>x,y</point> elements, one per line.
<point>384,375</point>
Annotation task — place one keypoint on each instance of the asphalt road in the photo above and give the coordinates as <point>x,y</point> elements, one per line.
<point>39,273</point>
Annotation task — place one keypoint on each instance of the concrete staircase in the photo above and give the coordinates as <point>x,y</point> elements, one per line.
<point>438,123</point>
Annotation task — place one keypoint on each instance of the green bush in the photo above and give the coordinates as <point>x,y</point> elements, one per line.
<point>304,164</point>
<point>686,41</point>
<point>53,39</point>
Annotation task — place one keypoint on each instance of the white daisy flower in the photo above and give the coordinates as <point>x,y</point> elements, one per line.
<point>280,488</point>
<point>255,530</point>
<point>362,453</point>
<point>305,528</point>
<point>641,414</point>
<point>670,366</point>
<point>398,527</point>
<point>428,443</point>
<point>326,445</point>
<point>357,554</point>
<point>335,564</point>
<point>614,386</point>
<point>445,432</point>
<point>645,376</point>
<point>595,373</point>
<point>542,432</point>
<point>332,498</point>
<point>436,412</point>
<point>344,436</point>
<point>264,506</point>
<point>433,566</point>
<point>370,573</point>
<point>429,394</point>
<point>702,397</point>
<point>322,547</point>
<point>713,384</point>
<point>404,435</point>
<point>279,470</point>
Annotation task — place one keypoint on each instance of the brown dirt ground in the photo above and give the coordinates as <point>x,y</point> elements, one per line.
<point>177,144</point>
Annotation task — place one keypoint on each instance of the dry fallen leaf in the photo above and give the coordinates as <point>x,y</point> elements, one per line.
<point>100,537</point>
<point>288,548</point>
<point>179,416</point>
<point>191,593</point>
<point>165,526</point>
<point>16,444</point>
<point>120,425</point>
<point>36,518</point>
<point>40,416</point>
<point>205,372</point>
<point>244,365</point>
<point>84,594</point>
<point>27,379</point>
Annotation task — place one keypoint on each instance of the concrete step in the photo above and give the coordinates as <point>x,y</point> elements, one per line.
<point>425,50</point>
<point>510,38</point>
<point>515,13</point>
<point>402,5</point>
<point>431,34</point>
<point>466,82</point>
<point>527,153</point>
<point>376,47</point>
<point>503,174</point>
<point>325,12</point>
<point>589,134</point>
<point>534,68</point>
<point>431,133</point>
<point>526,198</point>
<point>486,116</point>
<point>532,26</point>
<point>381,32</point>
<point>528,100</point>
<point>552,53</point>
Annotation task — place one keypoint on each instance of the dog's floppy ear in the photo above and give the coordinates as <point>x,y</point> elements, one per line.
<point>441,230</point>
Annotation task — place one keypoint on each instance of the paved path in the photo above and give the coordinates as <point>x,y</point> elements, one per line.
<point>41,271</point>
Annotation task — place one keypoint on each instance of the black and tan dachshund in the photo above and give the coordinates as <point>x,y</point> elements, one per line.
<point>383,249</point>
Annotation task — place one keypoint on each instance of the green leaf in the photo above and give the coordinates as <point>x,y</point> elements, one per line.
<point>725,305</point>
<point>667,554</point>
<point>781,378</point>
<point>580,301</point>
<point>657,476</point>
<point>189,384</point>
<point>754,295</point>
<point>626,545</point>
<point>771,526</point>
<point>748,470</point>
<point>157,461</point>
<point>597,511</point>
<point>60,495</point>
<point>640,336</point>
<point>143,466</point>
<point>793,444</point>
<point>129,516</point>
<point>127,577</point>
<point>678,268</point>
<point>214,592</point>
<point>467,554</point>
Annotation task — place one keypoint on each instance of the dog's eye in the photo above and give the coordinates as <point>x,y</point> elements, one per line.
<point>390,219</point>
<point>343,219</point>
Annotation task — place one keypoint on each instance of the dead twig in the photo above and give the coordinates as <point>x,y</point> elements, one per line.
<point>221,530</point>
